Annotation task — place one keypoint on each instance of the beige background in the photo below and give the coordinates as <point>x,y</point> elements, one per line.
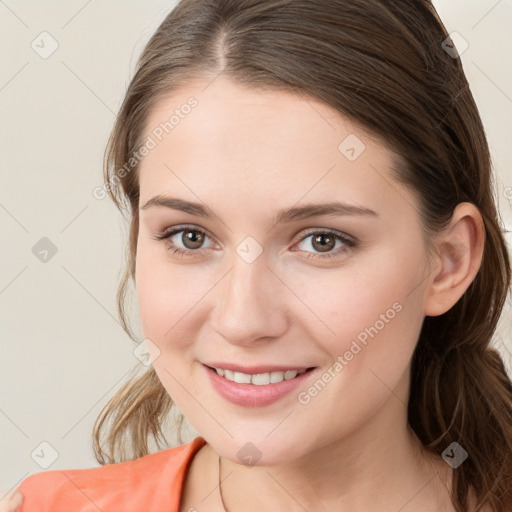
<point>62,350</point>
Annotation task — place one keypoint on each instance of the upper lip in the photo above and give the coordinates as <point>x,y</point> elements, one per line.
<point>261,368</point>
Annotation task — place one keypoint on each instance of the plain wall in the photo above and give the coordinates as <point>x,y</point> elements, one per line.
<point>63,352</point>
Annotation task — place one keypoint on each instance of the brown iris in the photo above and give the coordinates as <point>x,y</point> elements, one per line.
<point>192,237</point>
<point>325,242</point>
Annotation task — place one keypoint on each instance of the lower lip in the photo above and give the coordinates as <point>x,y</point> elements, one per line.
<point>251,395</point>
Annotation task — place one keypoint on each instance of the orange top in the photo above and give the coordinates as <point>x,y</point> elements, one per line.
<point>152,483</point>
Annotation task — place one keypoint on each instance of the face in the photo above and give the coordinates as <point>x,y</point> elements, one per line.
<point>253,277</point>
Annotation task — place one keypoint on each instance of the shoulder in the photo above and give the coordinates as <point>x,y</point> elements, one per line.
<point>150,483</point>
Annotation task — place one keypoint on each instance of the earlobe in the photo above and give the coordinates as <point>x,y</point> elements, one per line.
<point>459,252</point>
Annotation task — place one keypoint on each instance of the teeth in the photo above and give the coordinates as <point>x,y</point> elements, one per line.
<point>258,379</point>
<point>276,377</point>
<point>241,378</point>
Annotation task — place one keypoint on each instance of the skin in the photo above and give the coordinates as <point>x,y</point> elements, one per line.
<point>247,154</point>
<point>11,502</point>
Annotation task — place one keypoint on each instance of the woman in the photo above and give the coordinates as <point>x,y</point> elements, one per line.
<point>319,267</point>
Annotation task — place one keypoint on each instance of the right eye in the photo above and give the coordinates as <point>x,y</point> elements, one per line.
<point>191,239</point>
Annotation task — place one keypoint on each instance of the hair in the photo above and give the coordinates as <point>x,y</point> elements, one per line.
<point>382,64</point>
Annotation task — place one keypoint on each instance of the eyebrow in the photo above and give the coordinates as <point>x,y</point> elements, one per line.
<point>286,215</point>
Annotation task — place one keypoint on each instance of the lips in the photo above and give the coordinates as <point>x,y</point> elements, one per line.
<point>261,393</point>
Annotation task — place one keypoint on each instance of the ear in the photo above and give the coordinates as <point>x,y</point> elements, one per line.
<point>458,256</point>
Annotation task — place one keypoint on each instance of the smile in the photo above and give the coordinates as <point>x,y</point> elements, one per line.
<point>257,389</point>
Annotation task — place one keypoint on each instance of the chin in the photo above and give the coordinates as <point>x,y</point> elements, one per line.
<point>252,450</point>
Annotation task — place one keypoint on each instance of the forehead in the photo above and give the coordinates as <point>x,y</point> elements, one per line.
<point>267,145</point>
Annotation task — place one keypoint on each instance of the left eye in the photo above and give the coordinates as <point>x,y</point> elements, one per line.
<point>325,242</point>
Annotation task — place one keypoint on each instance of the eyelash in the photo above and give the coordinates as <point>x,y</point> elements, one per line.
<point>349,242</point>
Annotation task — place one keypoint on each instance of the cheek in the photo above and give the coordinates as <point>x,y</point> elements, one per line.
<point>376,323</point>
<point>166,299</point>
<point>347,300</point>
<point>370,315</point>
<point>153,294</point>
<point>165,295</point>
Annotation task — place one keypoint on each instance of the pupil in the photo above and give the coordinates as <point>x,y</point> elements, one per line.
<point>324,247</point>
<point>193,237</point>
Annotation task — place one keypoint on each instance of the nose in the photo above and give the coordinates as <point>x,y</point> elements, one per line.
<point>250,304</point>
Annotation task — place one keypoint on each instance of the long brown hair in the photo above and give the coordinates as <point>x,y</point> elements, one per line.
<point>383,64</point>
